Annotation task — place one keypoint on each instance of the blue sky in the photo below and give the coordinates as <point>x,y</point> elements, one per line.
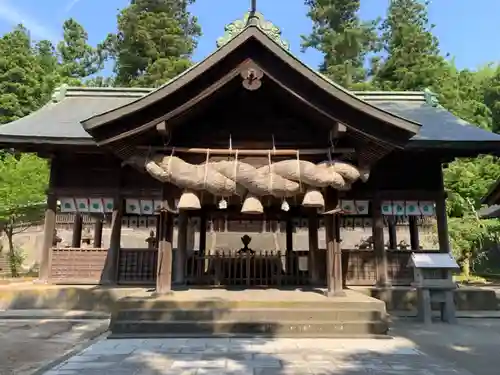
<point>467,29</point>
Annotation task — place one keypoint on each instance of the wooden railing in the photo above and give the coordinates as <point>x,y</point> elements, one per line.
<point>77,265</point>
<point>137,266</point>
<point>230,268</point>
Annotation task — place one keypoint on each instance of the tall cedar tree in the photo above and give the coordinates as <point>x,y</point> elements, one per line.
<point>77,59</point>
<point>21,76</point>
<point>342,38</point>
<point>154,43</point>
<point>413,60</point>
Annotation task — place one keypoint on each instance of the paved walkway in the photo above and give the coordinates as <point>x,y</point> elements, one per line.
<point>28,344</point>
<point>253,356</point>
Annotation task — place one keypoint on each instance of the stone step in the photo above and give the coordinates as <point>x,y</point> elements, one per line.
<point>282,328</point>
<point>250,315</point>
<point>131,303</point>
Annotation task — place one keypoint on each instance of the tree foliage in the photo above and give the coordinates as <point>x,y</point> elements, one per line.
<point>154,42</point>
<point>343,39</point>
<point>23,182</point>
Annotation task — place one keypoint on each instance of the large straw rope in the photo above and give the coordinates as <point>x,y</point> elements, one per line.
<point>227,177</point>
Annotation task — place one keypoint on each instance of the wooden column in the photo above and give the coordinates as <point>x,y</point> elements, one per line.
<point>442,224</point>
<point>378,242</point>
<point>181,251</point>
<point>98,232</point>
<point>313,247</point>
<point>393,241</point>
<point>203,231</point>
<point>48,238</point>
<point>110,271</point>
<point>164,270</point>
<point>76,240</point>
<point>289,234</point>
<point>414,237</point>
<point>334,252</point>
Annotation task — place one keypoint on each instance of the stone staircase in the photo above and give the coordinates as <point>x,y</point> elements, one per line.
<point>352,316</point>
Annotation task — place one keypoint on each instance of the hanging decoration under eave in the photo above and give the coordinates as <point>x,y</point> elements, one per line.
<point>408,208</point>
<point>86,205</point>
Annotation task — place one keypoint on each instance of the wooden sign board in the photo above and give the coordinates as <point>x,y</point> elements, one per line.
<point>433,260</point>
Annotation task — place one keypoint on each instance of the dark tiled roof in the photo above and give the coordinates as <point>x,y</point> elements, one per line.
<point>489,212</point>
<point>59,121</point>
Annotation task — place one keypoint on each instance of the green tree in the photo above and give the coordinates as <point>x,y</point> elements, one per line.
<point>23,180</point>
<point>77,59</point>
<point>21,76</point>
<point>343,39</point>
<point>413,60</point>
<point>154,42</point>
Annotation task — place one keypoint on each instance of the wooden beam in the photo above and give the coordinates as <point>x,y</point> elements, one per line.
<point>333,250</point>
<point>164,270</point>
<point>252,152</point>
<point>110,271</point>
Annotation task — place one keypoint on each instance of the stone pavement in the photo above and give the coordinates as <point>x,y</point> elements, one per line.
<point>256,356</point>
<point>27,344</point>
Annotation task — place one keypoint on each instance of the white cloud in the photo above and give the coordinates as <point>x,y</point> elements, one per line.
<point>70,5</point>
<point>15,16</point>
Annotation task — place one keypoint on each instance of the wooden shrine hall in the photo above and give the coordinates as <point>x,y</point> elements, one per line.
<point>249,143</point>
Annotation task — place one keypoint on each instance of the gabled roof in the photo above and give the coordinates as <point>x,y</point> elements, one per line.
<point>59,122</point>
<point>406,128</point>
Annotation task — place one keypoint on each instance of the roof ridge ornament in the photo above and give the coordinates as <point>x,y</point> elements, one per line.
<point>431,98</point>
<point>253,18</point>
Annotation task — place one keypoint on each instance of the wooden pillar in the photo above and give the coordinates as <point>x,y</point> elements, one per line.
<point>203,231</point>
<point>110,271</point>
<point>334,252</point>
<point>414,237</point>
<point>48,238</point>
<point>289,234</point>
<point>442,224</point>
<point>181,251</point>
<point>313,247</point>
<point>393,240</point>
<point>98,232</point>
<point>378,242</point>
<point>76,240</point>
<point>164,270</point>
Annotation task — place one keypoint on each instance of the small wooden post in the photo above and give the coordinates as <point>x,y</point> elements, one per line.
<point>378,242</point>
<point>164,270</point>
<point>48,237</point>
<point>76,240</point>
<point>203,231</point>
<point>414,237</point>
<point>181,251</point>
<point>313,248</point>
<point>110,271</point>
<point>98,233</point>
<point>393,241</point>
